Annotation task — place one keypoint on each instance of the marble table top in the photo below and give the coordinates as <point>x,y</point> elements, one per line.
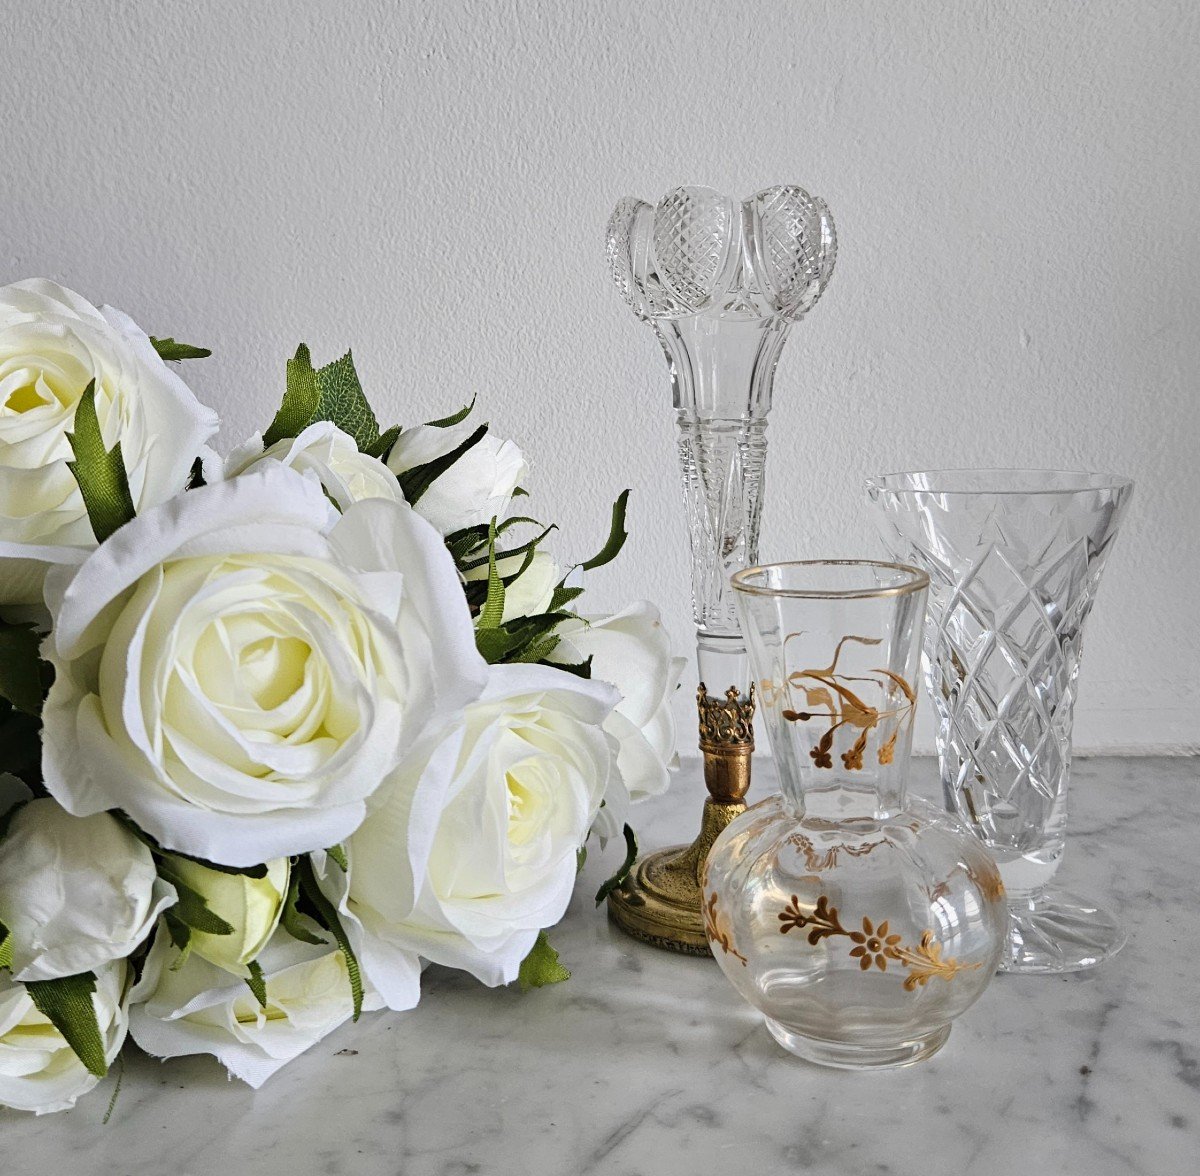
<point>648,1064</point>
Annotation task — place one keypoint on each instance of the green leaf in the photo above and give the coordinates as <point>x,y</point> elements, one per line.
<point>383,446</point>
<point>616,536</point>
<point>541,967</point>
<point>333,924</point>
<point>580,858</point>
<point>455,418</point>
<point>339,855</point>
<point>528,548</point>
<point>564,596</point>
<point>192,908</point>
<point>67,1004</point>
<point>292,919</point>
<point>6,947</point>
<point>539,649</point>
<point>495,644</point>
<point>416,481</point>
<point>169,350</point>
<point>300,399</point>
<point>181,937</point>
<point>342,401</point>
<point>467,541</point>
<point>631,850</point>
<point>99,472</point>
<point>257,983</point>
<point>493,609</point>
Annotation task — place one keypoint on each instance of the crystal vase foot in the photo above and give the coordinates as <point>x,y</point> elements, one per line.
<point>1057,931</point>
<point>1014,559</point>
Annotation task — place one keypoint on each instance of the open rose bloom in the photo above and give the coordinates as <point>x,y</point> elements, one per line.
<point>286,736</point>
<point>52,343</point>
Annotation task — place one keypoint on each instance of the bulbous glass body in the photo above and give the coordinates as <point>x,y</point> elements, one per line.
<point>858,921</point>
<point>861,939</point>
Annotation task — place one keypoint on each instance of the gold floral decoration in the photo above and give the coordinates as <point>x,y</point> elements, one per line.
<point>828,696</point>
<point>873,945</point>
<point>716,932</point>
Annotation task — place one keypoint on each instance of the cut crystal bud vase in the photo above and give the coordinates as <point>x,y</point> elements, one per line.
<point>859,921</point>
<point>1014,558</point>
<point>722,282</point>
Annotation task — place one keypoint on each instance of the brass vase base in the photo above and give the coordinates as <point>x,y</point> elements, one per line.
<point>661,900</point>
<point>659,903</point>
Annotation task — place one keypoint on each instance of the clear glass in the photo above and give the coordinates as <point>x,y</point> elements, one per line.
<point>860,922</point>
<point>722,281</point>
<point>1014,559</point>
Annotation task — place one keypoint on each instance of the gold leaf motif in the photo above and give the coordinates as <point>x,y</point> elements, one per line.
<point>716,932</point>
<point>875,944</point>
<point>925,962</point>
<point>823,921</point>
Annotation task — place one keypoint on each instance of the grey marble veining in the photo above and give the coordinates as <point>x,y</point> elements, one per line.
<point>647,1063</point>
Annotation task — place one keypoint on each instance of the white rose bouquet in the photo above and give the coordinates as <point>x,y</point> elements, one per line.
<point>281,730</point>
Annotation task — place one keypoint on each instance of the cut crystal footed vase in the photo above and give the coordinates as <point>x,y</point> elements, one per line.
<point>1014,559</point>
<point>858,920</point>
<point>721,281</point>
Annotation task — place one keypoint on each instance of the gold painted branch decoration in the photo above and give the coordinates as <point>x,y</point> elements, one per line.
<point>874,946</point>
<point>717,932</point>
<point>829,697</point>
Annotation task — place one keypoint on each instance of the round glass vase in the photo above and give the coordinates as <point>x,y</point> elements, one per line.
<point>858,920</point>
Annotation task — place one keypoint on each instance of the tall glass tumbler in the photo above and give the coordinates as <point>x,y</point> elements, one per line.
<point>1014,559</point>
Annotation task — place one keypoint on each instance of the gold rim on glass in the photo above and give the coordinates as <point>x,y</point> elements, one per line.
<point>916,580</point>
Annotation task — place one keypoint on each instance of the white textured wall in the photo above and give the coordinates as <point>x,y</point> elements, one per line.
<point>1015,184</point>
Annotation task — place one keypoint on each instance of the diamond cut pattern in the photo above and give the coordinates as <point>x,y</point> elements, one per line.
<point>769,257</point>
<point>1012,580</point>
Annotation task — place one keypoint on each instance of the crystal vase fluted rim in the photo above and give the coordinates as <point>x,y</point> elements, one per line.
<point>908,579</point>
<point>997,481</point>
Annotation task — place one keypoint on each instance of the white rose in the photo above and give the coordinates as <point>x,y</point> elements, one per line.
<point>333,457</point>
<point>251,906</point>
<point>52,343</point>
<point>198,1008</point>
<point>531,592</point>
<point>75,892</point>
<point>38,1069</point>
<point>475,489</point>
<point>470,851</point>
<point>239,669</point>
<point>631,650</point>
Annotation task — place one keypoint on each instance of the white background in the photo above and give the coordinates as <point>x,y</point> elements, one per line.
<point>1016,187</point>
